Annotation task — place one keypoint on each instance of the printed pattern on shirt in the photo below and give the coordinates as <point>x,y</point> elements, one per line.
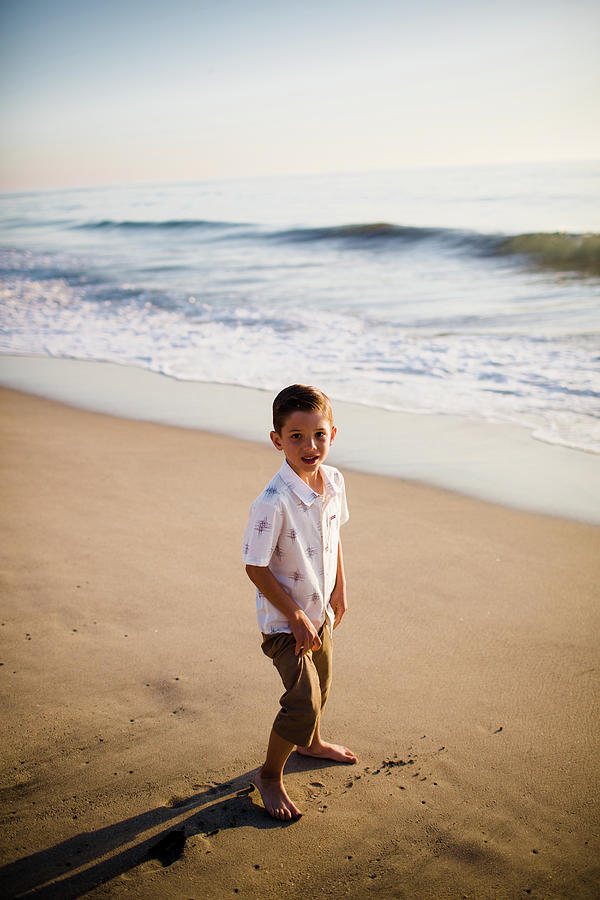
<point>262,526</point>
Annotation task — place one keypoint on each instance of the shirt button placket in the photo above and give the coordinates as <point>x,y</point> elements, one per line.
<point>323,551</point>
<point>325,532</point>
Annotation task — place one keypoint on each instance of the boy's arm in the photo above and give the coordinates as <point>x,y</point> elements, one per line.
<point>302,628</point>
<point>339,603</point>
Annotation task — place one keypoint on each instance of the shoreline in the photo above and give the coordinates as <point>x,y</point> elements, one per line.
<point>499,463</point>
<point>138,702</point>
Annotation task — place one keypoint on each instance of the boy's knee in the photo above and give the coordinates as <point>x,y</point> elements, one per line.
<point>305,695</point>
<point>309,715</point>
<point>300,707</point>
<point>314,709</point>
<point>298,725</point>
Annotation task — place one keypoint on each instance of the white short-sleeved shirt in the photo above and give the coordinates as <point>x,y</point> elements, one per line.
<point>295,532</point>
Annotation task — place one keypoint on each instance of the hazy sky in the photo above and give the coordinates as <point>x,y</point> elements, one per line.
<point>119,91</point>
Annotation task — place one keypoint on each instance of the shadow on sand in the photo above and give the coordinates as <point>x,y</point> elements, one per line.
<point>215,808</point>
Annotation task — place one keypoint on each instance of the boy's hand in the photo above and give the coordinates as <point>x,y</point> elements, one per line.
<point>339,603</point>
<point>305,633</point>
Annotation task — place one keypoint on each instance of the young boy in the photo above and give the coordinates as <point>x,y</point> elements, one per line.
<point>293,556</point>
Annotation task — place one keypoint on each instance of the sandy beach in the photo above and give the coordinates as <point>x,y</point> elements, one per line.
<point>136,701</point>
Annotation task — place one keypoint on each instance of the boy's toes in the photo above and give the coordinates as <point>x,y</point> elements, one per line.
<point>292,811</point>
<point>284,814</point>
<point>342,754</point>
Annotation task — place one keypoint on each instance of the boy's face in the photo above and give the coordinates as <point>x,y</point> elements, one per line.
<point>305,439</point>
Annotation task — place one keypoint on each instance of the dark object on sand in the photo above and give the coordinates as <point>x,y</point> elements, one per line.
<point>169,849</point>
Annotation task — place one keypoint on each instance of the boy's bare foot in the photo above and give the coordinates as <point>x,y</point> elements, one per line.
<point>275,798</point>
<point>325,750</point>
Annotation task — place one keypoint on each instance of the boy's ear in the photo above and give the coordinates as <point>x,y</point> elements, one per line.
<point>333,434</point>
<point>276,440</point>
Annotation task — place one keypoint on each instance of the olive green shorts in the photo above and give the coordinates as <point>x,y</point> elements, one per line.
<point>306,680</point>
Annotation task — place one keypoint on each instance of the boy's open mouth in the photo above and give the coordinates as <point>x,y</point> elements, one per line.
<point>309,459</point>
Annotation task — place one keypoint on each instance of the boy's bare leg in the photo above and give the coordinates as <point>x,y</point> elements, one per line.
<point>269,780</point>
<point>324,750</point>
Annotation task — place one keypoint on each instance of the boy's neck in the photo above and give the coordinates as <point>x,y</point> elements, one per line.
<point>313,479</point>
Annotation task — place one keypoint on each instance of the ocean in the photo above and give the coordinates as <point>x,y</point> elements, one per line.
<point>466,291</point>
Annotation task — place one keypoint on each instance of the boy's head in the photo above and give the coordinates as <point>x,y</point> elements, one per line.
<point>303,428</point>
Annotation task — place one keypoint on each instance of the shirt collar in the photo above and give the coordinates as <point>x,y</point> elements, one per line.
<point>299,487</point>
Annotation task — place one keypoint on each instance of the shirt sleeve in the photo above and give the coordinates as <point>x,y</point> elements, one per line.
<point>262,533</point>
<point>345,515</point>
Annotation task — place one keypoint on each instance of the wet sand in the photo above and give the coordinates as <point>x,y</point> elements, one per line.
<point>137,703</point>
<point>497,462</point>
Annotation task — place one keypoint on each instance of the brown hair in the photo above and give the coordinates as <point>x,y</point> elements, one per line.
<point>299,396</point>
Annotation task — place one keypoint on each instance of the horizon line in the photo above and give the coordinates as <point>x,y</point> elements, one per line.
<point>10,192</point>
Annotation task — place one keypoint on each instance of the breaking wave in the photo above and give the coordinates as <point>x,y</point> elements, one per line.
<point>564,251</point>
<point>570,252</point>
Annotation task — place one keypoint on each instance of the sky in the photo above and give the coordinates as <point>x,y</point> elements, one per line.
<point>96,92</point>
